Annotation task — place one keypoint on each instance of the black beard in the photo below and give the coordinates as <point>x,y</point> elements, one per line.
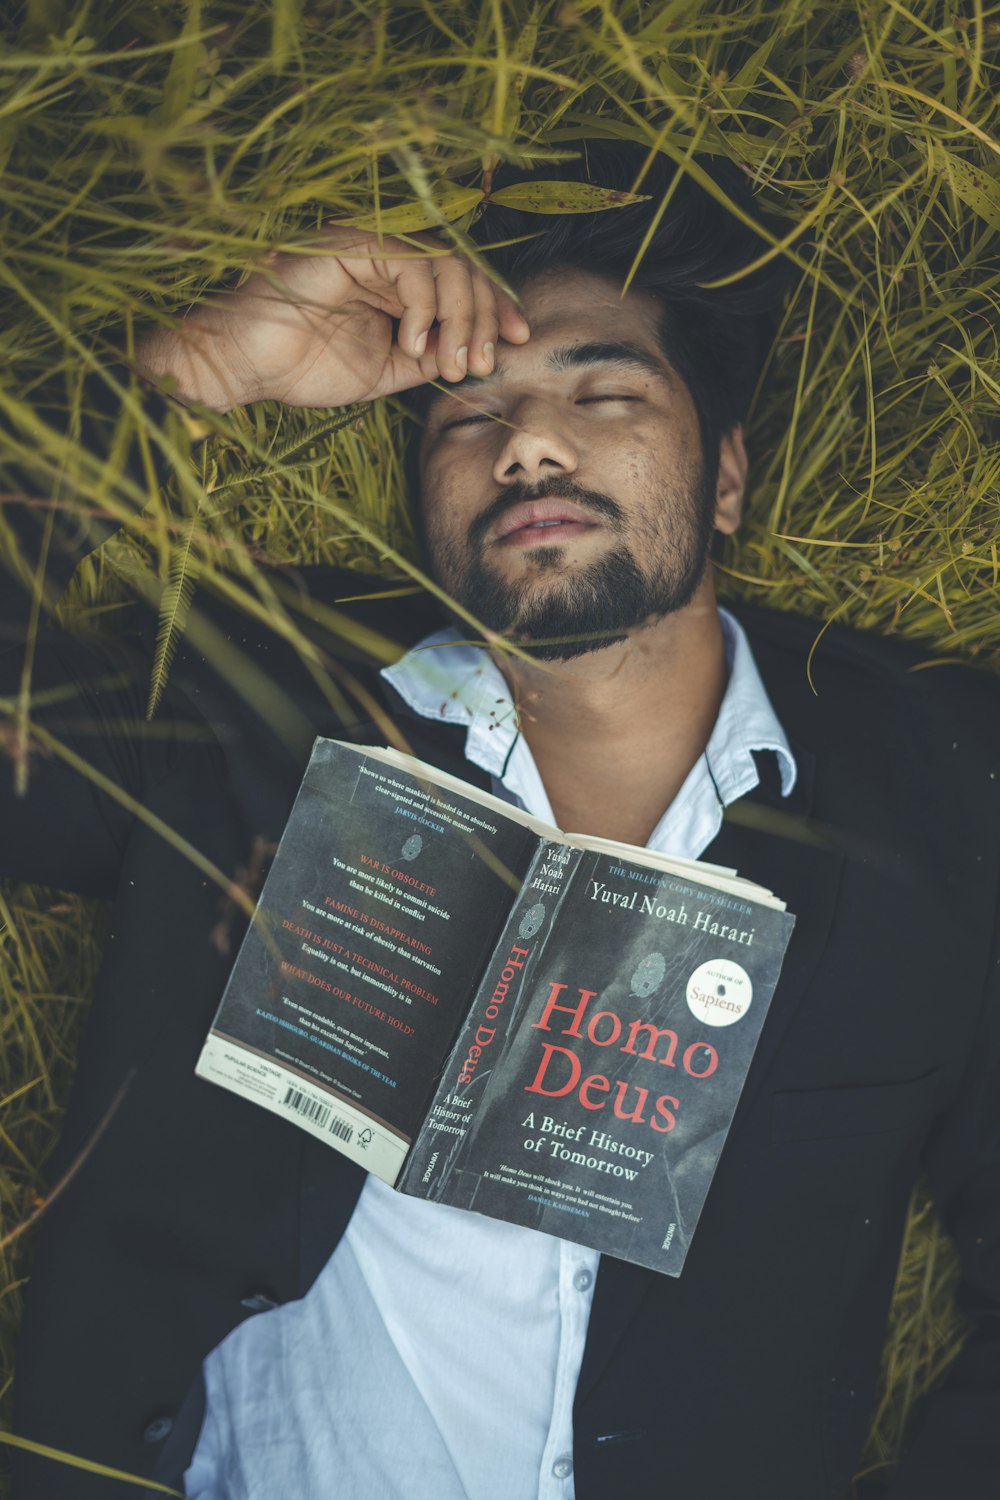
<point>589,610</point>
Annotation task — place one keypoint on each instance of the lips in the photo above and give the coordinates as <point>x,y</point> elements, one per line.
<point>538,522</point>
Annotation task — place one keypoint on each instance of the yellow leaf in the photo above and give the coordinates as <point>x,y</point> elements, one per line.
<point>189,55</point>
<point>450,203</point>
<point>672,82</point>
<point>976,187</point>
<point>563,197</point>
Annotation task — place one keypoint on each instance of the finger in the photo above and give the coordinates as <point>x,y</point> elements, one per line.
<point>429,361</point>
<point>415,287</point>
<point>456,310</point>
<point>485,326</point>
<point>402,372</point>
<point>513,325</point>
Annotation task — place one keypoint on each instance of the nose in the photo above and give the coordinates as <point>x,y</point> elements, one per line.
<point>537,442</point>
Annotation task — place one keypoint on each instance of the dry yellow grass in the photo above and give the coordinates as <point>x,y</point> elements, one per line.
<point>149,151</point>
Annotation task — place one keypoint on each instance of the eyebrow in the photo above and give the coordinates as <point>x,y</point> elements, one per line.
<point>621,355</point>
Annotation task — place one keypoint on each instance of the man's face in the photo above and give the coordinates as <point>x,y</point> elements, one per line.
<point>564,496</point>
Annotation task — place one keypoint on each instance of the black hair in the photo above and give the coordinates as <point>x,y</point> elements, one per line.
<point>715,338</point>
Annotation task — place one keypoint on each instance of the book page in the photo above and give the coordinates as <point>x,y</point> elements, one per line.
<point>443,779</point>
<point>722,876</point>
<point>699,870</point>
<point>376,919</point>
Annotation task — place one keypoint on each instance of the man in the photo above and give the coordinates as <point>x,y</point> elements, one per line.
<point>571,477</point>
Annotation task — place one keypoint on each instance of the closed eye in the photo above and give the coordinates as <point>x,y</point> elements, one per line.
<point>488,416</point>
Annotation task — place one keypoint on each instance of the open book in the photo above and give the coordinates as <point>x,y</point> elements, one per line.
<point>549,1029</point>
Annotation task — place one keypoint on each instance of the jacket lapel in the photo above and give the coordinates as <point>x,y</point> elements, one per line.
<point>776,843</point>
<point>771,840</point>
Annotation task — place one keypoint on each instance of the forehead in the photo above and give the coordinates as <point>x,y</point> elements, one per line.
<point>560,295</point>
<point>577,318</point>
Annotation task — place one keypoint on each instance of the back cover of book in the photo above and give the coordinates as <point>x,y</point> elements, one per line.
<point>375,921</point>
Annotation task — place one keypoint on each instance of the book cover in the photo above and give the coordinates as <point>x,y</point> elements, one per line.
<point>593,1084</point>
<point>381,906</point>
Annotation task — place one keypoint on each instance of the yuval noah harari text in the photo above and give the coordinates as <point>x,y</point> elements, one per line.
<point>485,1012</point>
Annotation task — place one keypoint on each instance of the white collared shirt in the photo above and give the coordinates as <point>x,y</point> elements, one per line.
<point>437,1355</point>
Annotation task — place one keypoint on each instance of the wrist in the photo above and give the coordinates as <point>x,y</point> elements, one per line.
<point>195,363</point>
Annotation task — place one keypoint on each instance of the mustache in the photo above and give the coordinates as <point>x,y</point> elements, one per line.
<point>564,489</point>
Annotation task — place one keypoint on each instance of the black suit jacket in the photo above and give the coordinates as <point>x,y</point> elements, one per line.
<point>753,1373</point>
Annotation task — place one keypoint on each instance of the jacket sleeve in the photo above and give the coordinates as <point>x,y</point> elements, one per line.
<point>76,773</point>
<point>955,1442</point>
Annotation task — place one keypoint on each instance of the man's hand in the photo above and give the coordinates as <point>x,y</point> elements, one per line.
<point>317,329</point>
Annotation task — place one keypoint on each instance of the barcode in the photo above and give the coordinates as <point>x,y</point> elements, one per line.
<point>309,1109</point>
<point>317,1113</point>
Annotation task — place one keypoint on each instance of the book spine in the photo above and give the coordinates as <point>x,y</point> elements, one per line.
<point>436,1153</point>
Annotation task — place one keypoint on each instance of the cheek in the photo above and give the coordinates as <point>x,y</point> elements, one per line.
<point>665,458</point>
<point>444,522</point>
<point>432,494</point>
<point>442,487</point>
<point>647,474</point>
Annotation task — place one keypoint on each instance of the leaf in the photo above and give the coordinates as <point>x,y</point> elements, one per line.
<point>675,86</point>
<point>174,607</point>
<point>737,90</point>
<point>339,418</point>
<point>450,202</point>
<point>966,124</point>
<point>564,197</point>
<point>973,185</point>
<point>503,116</point>
<point>178,90</point>
<point>284,29</point>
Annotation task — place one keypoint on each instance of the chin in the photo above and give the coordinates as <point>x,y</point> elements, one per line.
<point>566,650</point>
<point>560,611</point>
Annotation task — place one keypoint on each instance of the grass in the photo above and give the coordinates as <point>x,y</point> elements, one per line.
<point>150,152</point>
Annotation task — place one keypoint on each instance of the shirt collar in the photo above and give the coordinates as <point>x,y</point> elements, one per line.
<point>747,721</point>
<point>447,679</point>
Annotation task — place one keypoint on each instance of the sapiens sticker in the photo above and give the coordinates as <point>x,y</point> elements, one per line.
<point>719,992</point>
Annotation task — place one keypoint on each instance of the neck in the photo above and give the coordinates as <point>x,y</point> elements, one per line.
<point>615,733</point>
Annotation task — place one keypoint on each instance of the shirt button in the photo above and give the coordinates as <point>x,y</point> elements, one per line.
<point>582,1280</point>
<point>563,1467</point>
<point>156,1430</point>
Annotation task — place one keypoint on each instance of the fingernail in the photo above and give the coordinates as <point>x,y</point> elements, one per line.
<point>462,357</point>
<point>488,353</point>
<point>420,345</point>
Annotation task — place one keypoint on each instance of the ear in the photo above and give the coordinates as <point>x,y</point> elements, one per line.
<point>731,481</point>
